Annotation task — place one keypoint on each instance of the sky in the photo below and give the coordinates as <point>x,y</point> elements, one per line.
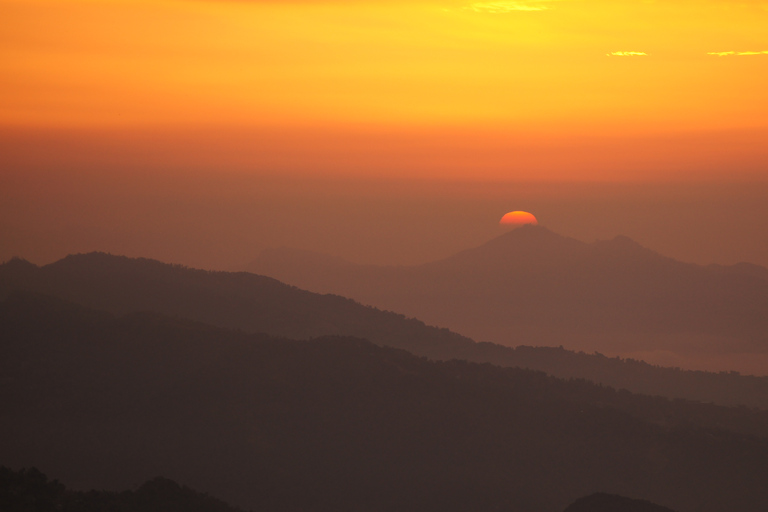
<point>385,131</point>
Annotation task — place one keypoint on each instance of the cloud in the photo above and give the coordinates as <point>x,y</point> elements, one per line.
<point>727,54</point>
<point>627,54</point>
<point>504,6</point>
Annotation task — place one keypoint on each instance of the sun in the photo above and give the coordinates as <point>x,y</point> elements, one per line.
<point>518,218</point>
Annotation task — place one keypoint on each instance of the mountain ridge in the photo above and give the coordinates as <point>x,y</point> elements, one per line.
<point>261,304</point>
<point>338,423</point>
<point>532,286</point>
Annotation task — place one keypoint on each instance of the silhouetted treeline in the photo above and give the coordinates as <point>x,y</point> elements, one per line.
<point>260,304</point>
<point>724,388</point>
<point>341,424</point>
<point>29,490</point>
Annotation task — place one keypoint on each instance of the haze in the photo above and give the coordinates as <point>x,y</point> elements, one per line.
<point>252,247</point>
<point>223,221</point>
<point>385,132</point>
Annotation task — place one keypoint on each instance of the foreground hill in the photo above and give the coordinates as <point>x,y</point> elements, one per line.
<point>535,287</point>
<point>341,424</point>
<point>29,490</point>
<point>601,502</point>
<point>260,304</point>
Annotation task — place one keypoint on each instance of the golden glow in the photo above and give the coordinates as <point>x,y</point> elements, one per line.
<point>518,218</point>
<point>504,71</point>
<point>501,7</point>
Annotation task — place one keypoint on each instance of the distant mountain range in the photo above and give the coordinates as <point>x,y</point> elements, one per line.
<point>531,286</point>
<point>338,423</point>
<point>30,490</point>
<point>255,303</point>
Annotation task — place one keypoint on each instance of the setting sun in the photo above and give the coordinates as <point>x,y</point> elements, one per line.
<point>252,248</point>
<point>518,218</point>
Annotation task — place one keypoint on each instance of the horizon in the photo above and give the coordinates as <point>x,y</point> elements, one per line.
<point>505,232</point>
<point>202,131</point>
<point>223,222</point>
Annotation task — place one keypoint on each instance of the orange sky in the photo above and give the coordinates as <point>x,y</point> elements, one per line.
<point>500,90</point>
<point>385,131</point>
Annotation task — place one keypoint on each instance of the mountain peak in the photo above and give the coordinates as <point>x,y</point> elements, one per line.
<point>528,243</point>
<point>530,234</point>
<point>530,230</point>
<point>107,262</point>
<point>17,264</point>
<point>89,258</point>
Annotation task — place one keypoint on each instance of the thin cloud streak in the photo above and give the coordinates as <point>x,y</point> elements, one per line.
<point>627,54</point>
<point>728,54</point>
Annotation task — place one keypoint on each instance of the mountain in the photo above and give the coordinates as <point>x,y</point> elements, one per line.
<point>255,303</point>
<point>601,502</point>
<point>235,300</point>
<point>29,490</point>
<point>338,423</point>
<point>531,286</point>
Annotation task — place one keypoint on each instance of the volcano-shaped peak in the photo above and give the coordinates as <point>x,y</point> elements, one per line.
<point>530,230</point>
<point>530,237</point>
<point>526,243</point>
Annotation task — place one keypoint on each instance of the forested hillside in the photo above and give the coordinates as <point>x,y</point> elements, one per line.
<point>260,304</point>
<point>341,424</point>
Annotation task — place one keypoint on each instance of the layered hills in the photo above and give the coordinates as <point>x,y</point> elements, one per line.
<point>534,287</point>
<point>256,303</point>
<point>29,489</point>
<point>337,423</point>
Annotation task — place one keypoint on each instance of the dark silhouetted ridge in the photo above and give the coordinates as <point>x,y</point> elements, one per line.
<point>255,303</point>
<point>337,423</point>
<point>235,300</point>
<point>29,490</point>
<point>601,502</point>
